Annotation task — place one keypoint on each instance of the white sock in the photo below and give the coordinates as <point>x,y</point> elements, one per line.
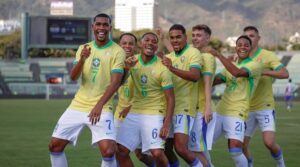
<point>109,162</point>
<point>239,158</point>
<point>207,156</point>
<point>279,158</point>
<point>58,159</point>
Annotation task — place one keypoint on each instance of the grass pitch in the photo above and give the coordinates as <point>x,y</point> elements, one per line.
<point>26,127</point>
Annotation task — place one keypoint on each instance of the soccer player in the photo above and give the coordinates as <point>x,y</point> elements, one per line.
<point>128,42</point>
<point>100,65</point>
<point>262,104</point>
<point>153,101</point>
<point>202,132</point>
<point>184,62</point>
<point>289,95</point>
<point>241,80</point>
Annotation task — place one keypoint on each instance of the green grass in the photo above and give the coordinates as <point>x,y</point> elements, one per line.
<point>26,127</point>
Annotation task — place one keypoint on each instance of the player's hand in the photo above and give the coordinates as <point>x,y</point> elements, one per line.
<point>210,50</point>
<point>85,53</point>
<point>164,131</point>
<point>159,33</point>
<point>208,116</point>
<point>95,114</point>
<point>167,62</point>
<point>130,62</point>
<point>124,113</point>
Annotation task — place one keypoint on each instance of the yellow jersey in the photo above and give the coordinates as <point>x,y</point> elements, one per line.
<point>186,92</point>
<point>263,96</point>
<point>149,81</point>
<point>235,101</point>
<point>96,75</point>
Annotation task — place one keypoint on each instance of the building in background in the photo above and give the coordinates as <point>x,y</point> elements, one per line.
<point>135,14</point>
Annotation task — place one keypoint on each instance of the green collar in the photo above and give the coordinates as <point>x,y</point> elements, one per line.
<point>245,61</point>
<point>256,53</point>
<point>182,51</point>
<point>108,44</point>
<point>153,60</point>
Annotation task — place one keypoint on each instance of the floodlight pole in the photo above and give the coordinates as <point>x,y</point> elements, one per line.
<point>24,36</point>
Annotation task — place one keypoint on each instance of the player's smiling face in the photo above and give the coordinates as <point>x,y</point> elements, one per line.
<point>200,39</point>
<point>177,39</point>
<point>149,45</point>
<point>243,48</point>
<point>101,28</point>
<point>128,44</point>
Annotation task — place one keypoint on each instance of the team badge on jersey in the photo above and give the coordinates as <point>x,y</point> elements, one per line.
<point>96,62</point>
<point>182,59</point>
<point>144,79</point>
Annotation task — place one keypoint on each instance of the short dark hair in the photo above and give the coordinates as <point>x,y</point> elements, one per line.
<point>203,27</point>
<point>103,15</point>
<point>147,33</point>
<point>130,34</point>
<point>249,28</point>
<point>178,27</point>
<point>245,37</point>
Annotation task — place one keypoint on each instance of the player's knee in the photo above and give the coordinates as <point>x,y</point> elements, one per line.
<point>180,149</point>
<point>269,144</point>
<point>157,153</point>
<point>139,155</point>
<point>122,151</point>
<point>55,147</point>
<point>108,152</point>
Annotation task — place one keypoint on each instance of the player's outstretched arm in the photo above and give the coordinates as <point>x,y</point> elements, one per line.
<point>170,98</point>
<point>115,83</point>
<point>230,67</point>
<point>278,74</point>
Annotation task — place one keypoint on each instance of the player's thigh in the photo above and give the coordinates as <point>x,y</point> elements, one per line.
<point>183,123</point>
<point>197,141</point>
<point>218,130</point>
<point>234,128</point>
<point>251,124</point>
<point>150,130</point>
<point>129,134</point>
<point>70,125</point>
<point>104,129</point>
<point>266,120</point>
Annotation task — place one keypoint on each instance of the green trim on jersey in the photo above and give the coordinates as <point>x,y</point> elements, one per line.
<point>207,73</point>
<point>152,61</point>
<point>251,82</point>
<point>279,67</point>
<point>182,51</point>
<point>256,53</point>
<point>195,66</point>
<point>245,61</point>
<point>222,77</point>
<point>108,44</point>
<point>249,71</point>
<point>117,71</point>
<point>167,87</point>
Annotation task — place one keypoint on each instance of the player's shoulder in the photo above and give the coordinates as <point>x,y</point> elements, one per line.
<point>192,50</point>
<point>267,53</point>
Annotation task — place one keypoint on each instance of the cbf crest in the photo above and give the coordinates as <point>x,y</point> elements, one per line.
<point>144,79</point>
<point>182,58</point>
<point>96,62</point>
